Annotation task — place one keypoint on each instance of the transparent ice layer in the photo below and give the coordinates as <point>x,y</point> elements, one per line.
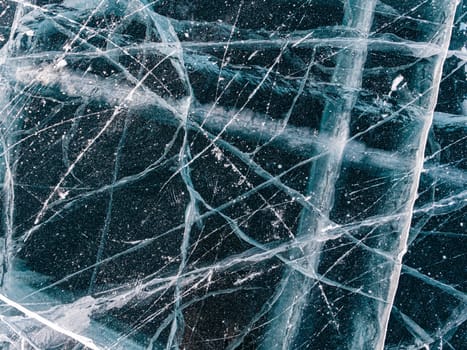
<point>280,174</point>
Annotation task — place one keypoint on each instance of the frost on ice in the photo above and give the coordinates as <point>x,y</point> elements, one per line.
<point>233,175</point>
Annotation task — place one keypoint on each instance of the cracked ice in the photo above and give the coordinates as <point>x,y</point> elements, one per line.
<point>233,175</point>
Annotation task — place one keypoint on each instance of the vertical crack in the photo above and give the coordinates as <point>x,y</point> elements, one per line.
<point>287,315</point>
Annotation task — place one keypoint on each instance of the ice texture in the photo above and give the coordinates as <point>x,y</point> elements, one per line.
<point>241,174</point>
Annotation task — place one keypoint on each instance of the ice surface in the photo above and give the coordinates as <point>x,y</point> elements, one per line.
<point>233,175</point>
